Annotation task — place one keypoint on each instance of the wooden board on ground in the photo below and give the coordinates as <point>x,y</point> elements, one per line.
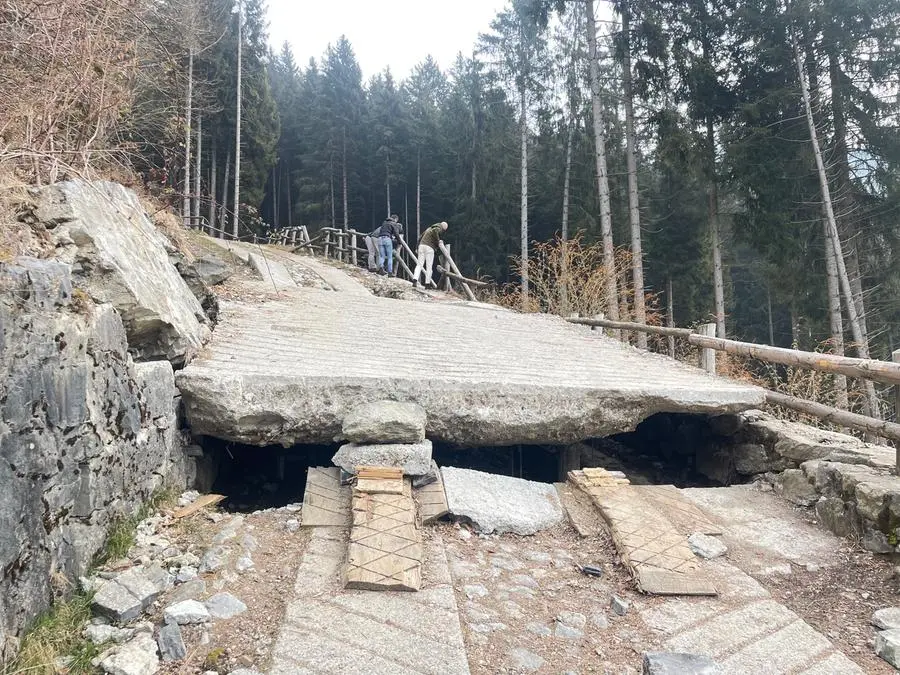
<point>325,502</point>
<point>392,486</point>
<point>653,549</point>
<point>385,551</point>
<point>201,502</point>
<point>581,513</point>
<point>432,501</point>
<point>387,472</point>
<point>684,514</point>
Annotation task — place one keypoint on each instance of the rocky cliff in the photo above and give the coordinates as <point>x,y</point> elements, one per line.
<point>86,432</point>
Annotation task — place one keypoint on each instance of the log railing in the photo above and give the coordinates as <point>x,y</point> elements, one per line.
<point>886,372</point>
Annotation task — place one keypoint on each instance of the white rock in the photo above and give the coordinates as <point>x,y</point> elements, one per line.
<point>706,546</point>
<point>185,612</point>
<point>225,606</point>
<point>101,633</point>
<point>136,657</point>
<point>886,618</point>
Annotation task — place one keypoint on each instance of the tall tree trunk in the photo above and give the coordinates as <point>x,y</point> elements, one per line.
<point>387,181</point>
<point>331,184</point>
<point>769,314</point>
<point>344,177</point>
<point>226,184</point>
<point>237,126</point>
<point>862,347</point>
<point>212,186</point>
<point>523,123</point>
<point>835,320</point>
<point>609,255</point>
<point>634,214</point>
<point>670,314</point>
<point>418,193</point>
<point>713,212</point>
<point>188,109</point>
<point>275,196</point>
<point>844,201</point>
<point>195,210</point>
<point>290,198</point>
<point>564,243</point>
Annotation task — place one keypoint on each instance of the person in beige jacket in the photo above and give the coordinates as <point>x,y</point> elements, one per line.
<point>429,242</point>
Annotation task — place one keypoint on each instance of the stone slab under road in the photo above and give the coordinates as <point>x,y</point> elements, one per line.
<point>287,371</point>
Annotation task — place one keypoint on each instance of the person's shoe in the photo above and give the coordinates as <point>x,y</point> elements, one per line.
<point>415,284</point>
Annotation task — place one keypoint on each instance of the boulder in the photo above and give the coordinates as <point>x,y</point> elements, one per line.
<point>136,657</point>
<point>118,256</point>
<point>793,485</point>
<point>706,546</point>
<point>171,643</point>
<point>385,422</point>
<point>225,606</point>
<point>887,646</point>
<point>500,504</point>
<point>186,612</point>
<point>886,618</point>
<point>413,458</point>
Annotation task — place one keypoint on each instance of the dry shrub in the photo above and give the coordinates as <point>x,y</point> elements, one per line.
<point>170,225</point>
<point>19,238</point>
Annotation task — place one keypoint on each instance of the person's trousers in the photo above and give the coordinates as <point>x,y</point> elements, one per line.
<point>386,257</point>
<point>424,259</point>
<point>372,248</point>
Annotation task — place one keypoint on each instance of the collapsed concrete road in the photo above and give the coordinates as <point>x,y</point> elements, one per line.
<point>289,370</point>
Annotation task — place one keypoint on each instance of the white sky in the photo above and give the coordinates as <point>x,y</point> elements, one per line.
<point>395,33</point>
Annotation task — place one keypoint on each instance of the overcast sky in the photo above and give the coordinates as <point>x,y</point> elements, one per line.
<point>395,33</point>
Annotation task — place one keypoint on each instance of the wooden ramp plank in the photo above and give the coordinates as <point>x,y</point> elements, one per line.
<point>656,553</point>
<point>432,501</point>
<point>684,514</point>
<point>326,503</point>
<point>201,502</point>
<point>583,517</point>
<point>385,551</point>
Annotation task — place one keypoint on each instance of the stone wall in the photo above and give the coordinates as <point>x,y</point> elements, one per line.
<point>86,435</point>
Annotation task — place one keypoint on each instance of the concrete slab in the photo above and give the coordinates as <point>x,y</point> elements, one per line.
<point>501,503</point>
<point>413,458</point>
<point>272,271</point>
<point>288,371</point>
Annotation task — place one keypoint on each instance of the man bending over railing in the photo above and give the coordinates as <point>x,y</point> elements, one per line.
<point>429,242</point>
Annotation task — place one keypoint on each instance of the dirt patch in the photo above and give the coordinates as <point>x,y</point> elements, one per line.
<point>838,600</point>
<point>528,593</point>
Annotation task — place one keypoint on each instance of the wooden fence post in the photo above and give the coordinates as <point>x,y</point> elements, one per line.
<point>600,316</point>
<point>254,238</point>
<point>895,357</point>
<point>708,356</point>
<point>327,241</point>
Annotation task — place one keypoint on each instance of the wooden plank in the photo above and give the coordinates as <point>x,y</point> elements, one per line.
<point>201,502</point>
<point>662,582</point>
<point>385,551</point>
<point>432,501</point>
<point>326,503</point>
<point>684,514</point>
<point>388,472</point>
<point>583,517</point>
<point>380,485</point>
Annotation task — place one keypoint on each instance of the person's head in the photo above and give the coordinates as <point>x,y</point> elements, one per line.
<point>395,217</point>
<point>443,225</point>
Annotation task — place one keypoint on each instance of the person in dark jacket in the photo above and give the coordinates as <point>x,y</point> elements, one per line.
<point>429,242</point>
<point>388,235</point>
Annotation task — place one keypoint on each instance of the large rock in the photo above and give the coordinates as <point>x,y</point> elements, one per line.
<point>887,646</point>
<point>136,657</point>
<point>86,435</point>
<point>385,422</point>
<point>886,618</point>
<point>126,596</point>
<point>495,503</point>
<point>793,485</point>
<point>413,458</point>
<point>119,257</point>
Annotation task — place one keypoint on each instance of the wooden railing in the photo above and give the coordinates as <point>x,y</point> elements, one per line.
<point>886,372</point>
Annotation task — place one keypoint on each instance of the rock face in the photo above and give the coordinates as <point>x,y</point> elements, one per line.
<point>85,434</point>
<point>385,422</point>
<point>413,458</point>
<point>501,503</point>
<point>119,257</point>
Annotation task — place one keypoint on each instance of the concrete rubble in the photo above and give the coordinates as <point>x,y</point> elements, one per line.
<point>119,257</point>
<point>413,458</point>
<point>500,504</point>
<point>385,422</point>
<point>706,546</point>
<point>138,656</point>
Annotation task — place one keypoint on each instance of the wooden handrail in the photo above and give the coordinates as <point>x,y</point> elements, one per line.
<point>828,414</point>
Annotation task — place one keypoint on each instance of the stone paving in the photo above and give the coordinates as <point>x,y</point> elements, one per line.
<point>288,370</point>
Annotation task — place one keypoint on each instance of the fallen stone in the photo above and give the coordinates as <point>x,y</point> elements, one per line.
<point>501,504</point>
<point>244,563</point>
<point>475,591</point>
<point>212,270</point>
<point>793,485</point>
<point>672,663</point>
<point>619,606</point>
<point>599,620</point>
<point>413,458</point>
<point>522,659</point>
<point>886,618</point>
<point>186,573</point>
<point>190,590</point>
<point>212,560</point>
<point>573,619</point>
<point>171,643</point>
<point>887,646</point>
<point>225,606</point>
<point>136,657</point>
<point>102,633</point>
<point>122,259</point>
<point>158,577</point>
<point>186,612</point>
<point>539,629</point>
<point>706,546</point>
<point>428,478</point>
<point>292,525</point>
<point>118,603</point>
<point>385,422</point>
<point>876,541</point>
<point>567,632</point>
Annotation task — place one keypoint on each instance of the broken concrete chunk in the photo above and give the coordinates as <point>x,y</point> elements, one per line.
<point>673,663</point>
<point>385,422</point>
<point>414,458</point>
<point>102,633</point>
<point>706,546</point>
<point>619,606</point>
<point>186,612</point>
<point>225,606</point>
<point>886,618</point>
<point>171,643</point>
<point>135,657</point>
<point>114,601</point>
<point>887,646</point>
<point>495,503</point>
